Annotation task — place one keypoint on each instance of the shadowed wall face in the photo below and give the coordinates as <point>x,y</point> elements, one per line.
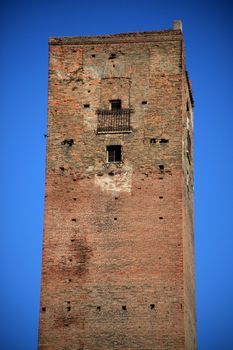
<point>118,233</point>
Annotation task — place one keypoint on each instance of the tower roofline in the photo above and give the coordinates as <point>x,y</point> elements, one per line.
<point>150,36</point>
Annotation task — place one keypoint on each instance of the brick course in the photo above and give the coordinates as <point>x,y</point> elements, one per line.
<point>118,265</point>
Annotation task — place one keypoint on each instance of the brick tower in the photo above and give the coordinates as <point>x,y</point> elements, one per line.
<point>118,262</point>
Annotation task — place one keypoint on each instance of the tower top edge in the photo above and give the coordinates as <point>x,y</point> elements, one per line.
<point>155,35</point>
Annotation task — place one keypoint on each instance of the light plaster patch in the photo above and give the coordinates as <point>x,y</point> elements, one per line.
<point>121,182</point>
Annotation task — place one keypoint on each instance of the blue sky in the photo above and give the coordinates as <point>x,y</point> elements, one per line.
<point>25,27</point>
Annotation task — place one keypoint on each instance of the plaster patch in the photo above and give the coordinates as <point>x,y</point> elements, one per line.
<point>120,182</point>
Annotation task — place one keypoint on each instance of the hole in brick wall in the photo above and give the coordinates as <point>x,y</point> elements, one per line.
<point>86,105</point>
<point>68,302</point>
<point>160,178</point>
<point>74,180</point>
<point>115,218</point>
<point>70,260</point>
<point>112,56</point>
<point>98,308</point>
<point>160,218</point>
<point>73,219</point>
<point>68,308</point>
<point>116,197</point>
<point>74,199</point>
<point>187,107</point>
<point>89,91</point>
<point>161,167</point>
<point>62,168</point>
<point>70,280</point>
<point>160,197</point>
<point>66,324</point>
<point>154,140</point>
<point>72,240</point>
<point>113,65</point>
<point>144,102</point>
<point>123,307</point>
<point>68,142</point>
<point>152,306</point>
<point>43,309</point>
<point>93,55</point>
<point>163,141</point>
<point>111,173</point>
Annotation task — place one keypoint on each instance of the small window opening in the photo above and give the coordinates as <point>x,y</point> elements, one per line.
<point>112,56</point>
<point>68,142</point>
<point>187,107</point>
<point>160,197</point>
<point>93,55</point>
<point>72,240</point>
<point>68,308</point>
<point>160,218</point>
<point>144,102</point>
<point>89,91</point>
<point>73,219</point>
<point>98,308</point>
<point>161,167</point>
<point>152,306</point>
<point>115,104</point>
<point>164,141</point>
<point>74,199</point>
<point>153,140</point>
<point>62,168</point>
<point>116,197</point>
<point>114,154</point>
<point>70,260</point>
<point>43,309</point>
<point>86,105</point>
<point>115,219</point>
<point>124,307</point>
<point>66,325</point>
<point>70,280</point>
<point>111,173</point>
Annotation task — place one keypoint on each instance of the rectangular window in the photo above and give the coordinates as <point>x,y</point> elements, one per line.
<point>115,104</point>
<point>114,153</point>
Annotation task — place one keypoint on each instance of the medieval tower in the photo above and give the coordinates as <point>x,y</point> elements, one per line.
<point>118,260</point>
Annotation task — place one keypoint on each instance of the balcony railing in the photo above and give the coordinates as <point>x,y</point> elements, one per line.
<point>113,121</point>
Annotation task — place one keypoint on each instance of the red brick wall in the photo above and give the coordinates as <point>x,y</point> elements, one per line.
<point>118,255</point>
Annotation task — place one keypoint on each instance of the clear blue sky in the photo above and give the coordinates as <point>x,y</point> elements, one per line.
<point>25,27</point>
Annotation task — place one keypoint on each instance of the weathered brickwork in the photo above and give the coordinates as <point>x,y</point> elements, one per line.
<point>118,262</point>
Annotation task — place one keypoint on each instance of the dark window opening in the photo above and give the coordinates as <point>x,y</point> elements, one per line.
<point>153,140</point>
<point>160,218</point>
<point>161,167</point>
<point>73,219</point>
<point>115,104</point>
<point>68,142</point>
<point>93,55</point>
<point>144,102</point>
<point>112,56</point>
<point>152,306</point>
<point>70,280</point>
<point>43,309</point>
<point>114,154</point>
<point>160,197</point>
<point>68,308</point>
<point>189,147</point>
<point>123,307</point>
<point>164,141</point>
<point>187,107</point>
<point>98,308</point>
<point>86,105</point>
